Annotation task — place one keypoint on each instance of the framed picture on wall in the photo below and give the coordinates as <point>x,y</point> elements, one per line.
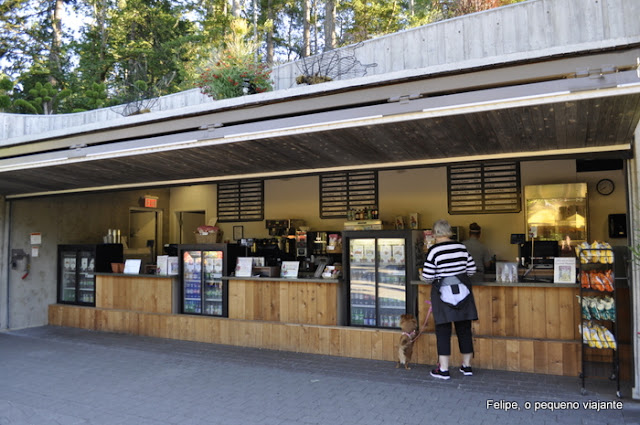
<point>238,233</point>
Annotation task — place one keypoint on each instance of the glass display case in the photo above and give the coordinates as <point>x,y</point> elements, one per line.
<point>379,265</point>
<point>557,212</point>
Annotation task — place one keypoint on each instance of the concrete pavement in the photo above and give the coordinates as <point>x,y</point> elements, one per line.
<point>56,375</point>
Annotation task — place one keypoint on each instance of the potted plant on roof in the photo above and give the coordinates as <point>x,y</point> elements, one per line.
<point>234,71</point>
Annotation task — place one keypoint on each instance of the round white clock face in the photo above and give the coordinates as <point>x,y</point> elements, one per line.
<point>605,187</point>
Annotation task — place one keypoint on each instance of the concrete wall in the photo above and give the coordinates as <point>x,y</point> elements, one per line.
<point>522,31</point>
<point>17,125</point>
<point>61,220</point>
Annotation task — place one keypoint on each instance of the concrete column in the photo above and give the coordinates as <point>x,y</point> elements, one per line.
<point>634,239</point>
<point>4,263</point>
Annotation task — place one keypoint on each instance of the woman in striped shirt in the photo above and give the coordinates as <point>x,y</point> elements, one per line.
<point>448,266</point>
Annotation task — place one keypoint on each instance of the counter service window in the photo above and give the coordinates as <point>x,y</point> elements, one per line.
<point>241,201</point>
<point>484,188</point>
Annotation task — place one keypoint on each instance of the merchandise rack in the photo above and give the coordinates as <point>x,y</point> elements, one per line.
<point>599,326</point>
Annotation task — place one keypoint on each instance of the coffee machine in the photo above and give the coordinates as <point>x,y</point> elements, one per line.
<point>284,227</point>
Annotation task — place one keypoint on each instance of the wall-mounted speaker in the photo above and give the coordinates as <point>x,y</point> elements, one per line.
<point>617,225</point>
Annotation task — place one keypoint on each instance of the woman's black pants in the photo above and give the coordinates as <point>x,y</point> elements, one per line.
<point>463,331</point>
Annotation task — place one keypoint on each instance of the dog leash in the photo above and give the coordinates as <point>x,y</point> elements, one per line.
<point>424,326</point>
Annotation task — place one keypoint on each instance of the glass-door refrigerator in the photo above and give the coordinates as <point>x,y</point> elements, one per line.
<point>379,266</point>
<point>202,268</point>
<point>77,265</point>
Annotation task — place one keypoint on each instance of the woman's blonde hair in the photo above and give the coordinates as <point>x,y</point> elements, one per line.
<point>442,228</point>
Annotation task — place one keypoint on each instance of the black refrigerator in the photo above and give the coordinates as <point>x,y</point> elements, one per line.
<point>379,266</point>
<point>77,265</point>
<point>202,267</point>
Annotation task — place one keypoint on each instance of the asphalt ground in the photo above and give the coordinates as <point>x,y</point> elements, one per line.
<point>57,375</point>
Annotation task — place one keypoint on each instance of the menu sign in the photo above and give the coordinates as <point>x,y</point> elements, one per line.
<point>342,191</point>
<point>484,188</point>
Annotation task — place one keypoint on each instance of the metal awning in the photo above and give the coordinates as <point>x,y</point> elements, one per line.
<point>430,121</point>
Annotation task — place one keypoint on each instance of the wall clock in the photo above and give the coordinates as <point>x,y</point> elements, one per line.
<point>605,187</point>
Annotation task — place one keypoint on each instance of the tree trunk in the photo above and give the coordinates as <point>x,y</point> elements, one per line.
<point>100,17</point>
<point>235,8</point>
<point>55,64</point>
<point>330,25</point>
<point>269,29</point>
<point>255,29</point>
<point>306,28</point>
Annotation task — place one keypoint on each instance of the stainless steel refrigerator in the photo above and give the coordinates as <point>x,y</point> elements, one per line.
<point>378,269</point>
<point>202,268</point>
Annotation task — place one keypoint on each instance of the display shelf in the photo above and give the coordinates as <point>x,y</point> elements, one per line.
<point>599,325</point>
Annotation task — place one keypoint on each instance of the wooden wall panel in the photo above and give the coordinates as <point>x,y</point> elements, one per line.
<point>512,313</point>
<point>552,356</point>
<point>135,293</point>
<point>520,312</point>
<point>499,354</point>
<point>284,301</point>
<point>117,321</point>
<point>498,311</point>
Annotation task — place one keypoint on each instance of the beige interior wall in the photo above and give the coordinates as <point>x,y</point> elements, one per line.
<point>191,198</point>
<point>418,190</point>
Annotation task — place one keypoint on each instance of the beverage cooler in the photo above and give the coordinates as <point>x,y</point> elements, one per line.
<point>379,266</point>
<point>76,267</point>
<point>201,269</point>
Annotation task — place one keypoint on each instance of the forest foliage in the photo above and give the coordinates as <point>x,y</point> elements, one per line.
<point>63,56</point>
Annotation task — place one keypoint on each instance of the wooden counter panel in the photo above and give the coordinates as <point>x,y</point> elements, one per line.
<point>514,354</point>
<point>520,312</point>
<point>507,315</point>
<point>283,301</point>
<point>134,293</point>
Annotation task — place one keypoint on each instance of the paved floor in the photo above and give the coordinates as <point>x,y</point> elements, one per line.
<point>54,375</point>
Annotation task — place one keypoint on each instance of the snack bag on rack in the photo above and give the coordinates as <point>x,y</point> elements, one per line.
<point>583,252</point>
<point>610,339</point>
<point>601,332</point>
<point>606,256</point>
<point>595,253</point>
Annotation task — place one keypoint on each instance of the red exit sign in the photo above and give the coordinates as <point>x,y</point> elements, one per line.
<point>150,202</point>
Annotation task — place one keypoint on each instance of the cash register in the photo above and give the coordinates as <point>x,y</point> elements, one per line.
<point>538,255</point>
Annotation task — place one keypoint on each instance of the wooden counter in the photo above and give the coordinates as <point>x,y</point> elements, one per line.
<point>146,293</point>
<point>305,301</point>
<point>530,327</point>
<point>523,327</point>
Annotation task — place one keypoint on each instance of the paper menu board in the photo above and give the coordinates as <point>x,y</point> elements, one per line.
<point>162,264</point>
<point>564,270</point>
<point>132,266</point>
<point>173,266</point>
<point>244,266</point>
<point>289,269</point>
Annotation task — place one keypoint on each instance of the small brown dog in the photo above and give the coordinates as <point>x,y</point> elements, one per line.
<point>409,326</point>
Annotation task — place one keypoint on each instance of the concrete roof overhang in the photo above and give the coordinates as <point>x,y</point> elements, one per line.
<point>584,106</point>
